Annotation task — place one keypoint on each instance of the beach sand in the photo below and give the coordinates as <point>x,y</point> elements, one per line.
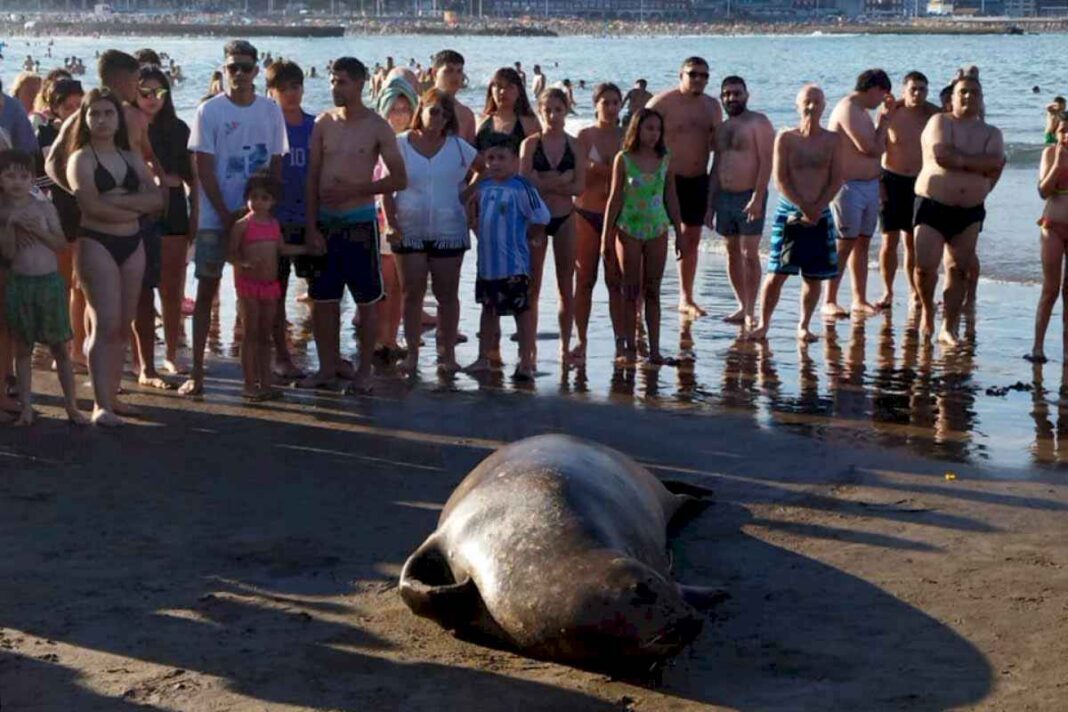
<point>891,536</point>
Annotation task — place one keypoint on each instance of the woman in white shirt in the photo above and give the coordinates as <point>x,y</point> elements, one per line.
<point>426,224</point>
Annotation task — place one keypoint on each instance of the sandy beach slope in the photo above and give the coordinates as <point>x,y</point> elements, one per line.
<point>222,557</point>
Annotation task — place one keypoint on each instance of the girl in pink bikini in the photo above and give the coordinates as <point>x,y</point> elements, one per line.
<point>1053,187</point>
<point>255,245</point>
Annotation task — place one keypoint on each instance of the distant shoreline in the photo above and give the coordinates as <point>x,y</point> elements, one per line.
<point>214,26</point>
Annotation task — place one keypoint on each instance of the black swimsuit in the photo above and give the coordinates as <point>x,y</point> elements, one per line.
<point>541,164</point>
<point>949,220</point>
<point>515,136</point>
<point>121,247</point>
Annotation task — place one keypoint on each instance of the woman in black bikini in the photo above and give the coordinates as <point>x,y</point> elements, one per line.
<point>555,163</point>
<point>507,110</point>
<point>169,137</point>
<point>601,143</point>
<point>114,189</point>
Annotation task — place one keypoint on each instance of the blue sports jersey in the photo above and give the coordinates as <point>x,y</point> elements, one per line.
<point>505,210</point>
<point>295,172</point>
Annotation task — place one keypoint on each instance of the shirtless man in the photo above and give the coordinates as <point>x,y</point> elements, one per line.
<point>738,192</point>
<point>346,143</point>
<point>635,100</point>
<point>901,164</point>
<point>690,121</point>
<point>449,78</point>
<point>963,157</point>
<point>808,174</point>
<point>856,207</point>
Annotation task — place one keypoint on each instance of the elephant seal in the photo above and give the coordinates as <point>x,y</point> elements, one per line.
<point>556,546</point>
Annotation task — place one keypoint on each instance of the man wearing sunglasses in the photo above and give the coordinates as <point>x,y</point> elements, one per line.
<point>690,121</point>
<point>233,136</point>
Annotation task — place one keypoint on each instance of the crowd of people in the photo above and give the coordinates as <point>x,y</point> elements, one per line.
<point>101,194</point>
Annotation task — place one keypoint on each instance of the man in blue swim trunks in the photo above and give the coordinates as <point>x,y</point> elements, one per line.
<point>808,174</point>
<point>342,226</point>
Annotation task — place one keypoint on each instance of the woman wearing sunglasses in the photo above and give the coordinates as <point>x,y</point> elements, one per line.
<point>427,225</point>
<point>169,137</point>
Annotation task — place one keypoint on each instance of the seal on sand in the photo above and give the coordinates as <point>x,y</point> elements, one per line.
<point>556,546</point>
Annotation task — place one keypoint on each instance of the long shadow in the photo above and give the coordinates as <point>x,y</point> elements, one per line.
<point>227,545</point>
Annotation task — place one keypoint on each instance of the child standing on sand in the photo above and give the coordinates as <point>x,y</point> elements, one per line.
<point>255,246</point>
<point>35,294</point>
<point>507,206</point>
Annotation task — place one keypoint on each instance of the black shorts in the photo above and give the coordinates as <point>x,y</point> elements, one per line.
<point>152,238</point>
<point>899,202</point>
<point>949,220</point>
<point>428,248</point>
<point>352,260</point>
<point>293,235</point>
<point>176,220</point>
<point>508,296</point>
<point>693,198</point>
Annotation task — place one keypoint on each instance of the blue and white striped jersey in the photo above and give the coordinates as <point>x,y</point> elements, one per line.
<point>505,210</point>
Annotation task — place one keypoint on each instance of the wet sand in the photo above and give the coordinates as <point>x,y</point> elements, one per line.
<point>220,556</point>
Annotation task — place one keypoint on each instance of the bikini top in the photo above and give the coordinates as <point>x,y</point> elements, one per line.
<point>595,155</point>
<point>262,232</point>
<point>541,161</point>
<point>517,134</point>
<point>105,182</point>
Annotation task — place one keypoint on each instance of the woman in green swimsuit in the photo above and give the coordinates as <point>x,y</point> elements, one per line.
<point>641,207</point>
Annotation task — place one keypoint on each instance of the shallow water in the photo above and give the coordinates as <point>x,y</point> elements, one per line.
<point>867,382</point>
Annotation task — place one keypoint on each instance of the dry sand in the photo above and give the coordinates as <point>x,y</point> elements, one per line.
<point>222,557</point>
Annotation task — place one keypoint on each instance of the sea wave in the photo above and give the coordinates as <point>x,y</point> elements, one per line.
<point>1021,155</point>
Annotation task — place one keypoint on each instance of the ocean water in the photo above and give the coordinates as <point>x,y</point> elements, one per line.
<point>869,381</point>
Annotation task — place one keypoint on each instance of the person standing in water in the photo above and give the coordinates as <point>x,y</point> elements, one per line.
<point>1053,187</point>
<point>901,164</point>
<point>690,121</point>
<point>963,157</point>
<point>738,195</point>
<point>600,142</point>
<point>856,207</point>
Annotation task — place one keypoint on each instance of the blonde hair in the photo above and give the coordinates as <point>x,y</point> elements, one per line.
<point>22,79</point>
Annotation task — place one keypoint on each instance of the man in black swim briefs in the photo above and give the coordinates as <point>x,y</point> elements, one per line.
<point>691,118</point>
<point>963,157</point>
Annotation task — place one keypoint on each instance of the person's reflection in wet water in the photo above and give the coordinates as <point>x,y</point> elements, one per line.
<point>808,381</point>
<point>622,385</point>
<point>686,371</point>
<point>649,376</point>
<point>955,400</point>
<point>1051,439</point>
<point>739,376</point>
<point>769,383</point>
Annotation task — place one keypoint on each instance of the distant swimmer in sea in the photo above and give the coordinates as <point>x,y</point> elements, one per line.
<point>635,100</point>
<point>808,174</point>
<point>963,157</point>
<point>1053,187</point>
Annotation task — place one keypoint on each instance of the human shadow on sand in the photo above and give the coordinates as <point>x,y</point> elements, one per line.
<point>235,540</point>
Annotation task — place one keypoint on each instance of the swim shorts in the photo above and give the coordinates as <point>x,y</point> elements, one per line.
<point>352,260</point>
<point>209,254</point>
<point>508,296</point>
<point>799,248</point>
<point>899,203</point>
<point>693,198</point>
<point>37,311</point>
<point>856,208</point>
<point>292,235</point>
<point>731,219</point>
<point>949,220</point>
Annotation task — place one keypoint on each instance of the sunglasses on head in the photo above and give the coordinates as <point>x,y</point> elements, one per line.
<point>157,93</point>
<point>243,67</point>
<point>694,74</point>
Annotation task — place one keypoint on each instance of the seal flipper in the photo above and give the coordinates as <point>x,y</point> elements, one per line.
<point>703,597</point>
<point>430,589</point>
<point>688,500</point>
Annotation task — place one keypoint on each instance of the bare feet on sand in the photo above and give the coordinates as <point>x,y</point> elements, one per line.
<point>447,368</point>
<point>1036,356</point>
<point>482,365</point>
<point>148,380</point>
<point>287,371</point>
<point>76,417</point>
<point>175,367</point>
<point>25,417</point>
<point>105,418</point>
<point>578,354</point>
<point>758,334</point>
<point>194,386</point>
<point>317,380</point>
<point>362,385</point>
<point>832,309</point>
<point>886,302</point>
<point>948,338</point>
<point>806,336</point>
